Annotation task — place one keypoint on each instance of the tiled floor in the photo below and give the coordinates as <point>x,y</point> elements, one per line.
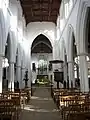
<point>41,107</point>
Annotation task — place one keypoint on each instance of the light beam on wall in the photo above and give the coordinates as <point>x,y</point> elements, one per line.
<point>20,35</point>
<point>4,4</point>
<point>62,22</point>
<point>5,63</point>
<point>13,23</point>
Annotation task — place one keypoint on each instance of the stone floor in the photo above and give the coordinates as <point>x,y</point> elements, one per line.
<point>41,107</point>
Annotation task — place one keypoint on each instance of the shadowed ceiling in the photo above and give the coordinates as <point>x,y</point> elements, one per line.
<point>40,10</point>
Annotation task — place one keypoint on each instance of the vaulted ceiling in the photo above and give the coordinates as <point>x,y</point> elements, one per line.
<point>40,10</point>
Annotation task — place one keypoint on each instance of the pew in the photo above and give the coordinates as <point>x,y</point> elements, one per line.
<point>72,104</point>
<point>8,109</point>
<point>11,103</point>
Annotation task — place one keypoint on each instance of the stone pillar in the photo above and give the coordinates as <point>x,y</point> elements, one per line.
<point>61,70</point>
<point>29,81</point>
<point>23,69</point>
<point>54,85</point>
<point>84,84</point>
<point>1,59</point>
<point>71,73</point>
<point>18,75</point>
<point>11,76</point>
<point>65,72</point>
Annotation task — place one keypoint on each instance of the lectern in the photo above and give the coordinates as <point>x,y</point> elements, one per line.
<point>58,77</point>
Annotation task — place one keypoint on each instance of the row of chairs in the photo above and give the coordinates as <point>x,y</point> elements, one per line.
<point>12,103</point>
<point>72,104</point>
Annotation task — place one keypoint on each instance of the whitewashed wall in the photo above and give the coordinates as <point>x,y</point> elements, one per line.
<point>36,28</point>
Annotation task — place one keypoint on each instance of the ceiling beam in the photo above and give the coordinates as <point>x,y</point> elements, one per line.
<point>34,2</point>
<point>40,10</point>
<point>32,8</point>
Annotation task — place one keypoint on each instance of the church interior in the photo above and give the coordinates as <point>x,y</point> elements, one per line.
<point>44,59</point>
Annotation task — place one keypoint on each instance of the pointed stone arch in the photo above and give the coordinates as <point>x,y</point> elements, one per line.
<point>81,43</point>
<point>70,55</point>
<point>71,43</point>
<point>47,36</point>
<point>44,41</point>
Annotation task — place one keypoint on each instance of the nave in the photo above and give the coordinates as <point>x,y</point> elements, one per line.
<point>41,103</point>
<point>40,107</point>
<point>45,41</point>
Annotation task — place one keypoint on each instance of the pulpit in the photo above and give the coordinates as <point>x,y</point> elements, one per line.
<point>58,73</point>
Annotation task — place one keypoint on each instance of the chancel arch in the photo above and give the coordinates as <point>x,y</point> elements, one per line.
<point>41,54</point>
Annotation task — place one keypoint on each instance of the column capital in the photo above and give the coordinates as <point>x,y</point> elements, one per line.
<point>18,66</point>
<point>82,54</point>
<point>70,62</point>
<point>64,65</point>
<point>23,68</point>
<point>12,62</point>
<point>1,55</point>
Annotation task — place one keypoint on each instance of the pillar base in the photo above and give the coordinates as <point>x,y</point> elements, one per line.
<point>11,77</point>
<point>71,74</point>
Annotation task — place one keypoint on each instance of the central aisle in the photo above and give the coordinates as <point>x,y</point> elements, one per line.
<point>41,107</point>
